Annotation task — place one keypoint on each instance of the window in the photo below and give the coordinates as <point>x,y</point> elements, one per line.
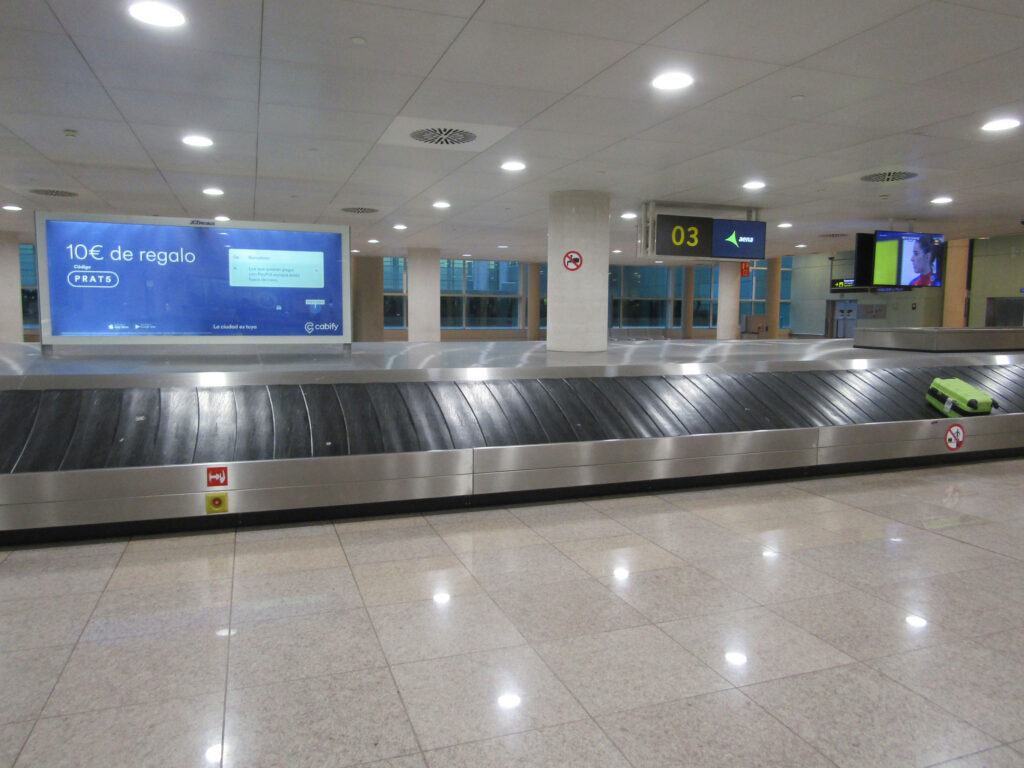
<point>543,296</point>
<point>396,298</point>
<point>753,289</point>
<point>785,291</point>
<point>705,297</point>
<point>480,294</point>
<point>29,287</point>
<point>638,297</point>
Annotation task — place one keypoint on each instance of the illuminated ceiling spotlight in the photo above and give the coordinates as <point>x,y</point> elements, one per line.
<point>1001,124</point>
<point>156,14</point>
<point>222,218</point>
<point>196,140</point>
<point>628,215</point>
<point>213,191</point>
<point>442,204</point>
<point>784,224</point>
<point>399,227</point>
<point>942,200</point>
<point>513,165</point>
<point>672,81</point>
<point>754,184</point>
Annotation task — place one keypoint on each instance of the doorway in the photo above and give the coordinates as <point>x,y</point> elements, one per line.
<point>1003,312</point>
<point>841,319</point>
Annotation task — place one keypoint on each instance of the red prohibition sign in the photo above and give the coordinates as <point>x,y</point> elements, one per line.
<point>955,436</point>
<point>573,260</point>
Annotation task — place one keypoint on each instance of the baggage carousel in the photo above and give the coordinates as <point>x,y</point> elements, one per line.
<point>83,450</point>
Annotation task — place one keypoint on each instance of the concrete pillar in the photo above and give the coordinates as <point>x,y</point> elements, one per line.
<point>773,296</point>
<point>954,292</point>
<point>533,300</point>
<point>688,277</point>
<point>728,300</point>
<point>423,274</point>
<point>367,301</point>
<point>578,221</point>
<point>11,328</point>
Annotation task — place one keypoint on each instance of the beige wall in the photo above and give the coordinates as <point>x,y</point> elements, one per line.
<point>10,289</point>
<point>367,308</point>
<point>998,271</point>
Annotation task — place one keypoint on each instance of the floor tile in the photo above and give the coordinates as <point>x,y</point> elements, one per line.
<point>176,733</point>
<point>339,720</point>
<point>292,554</point>
<point>653,521</point>
<point>565,609</point>
<point>379,523</point>
<point>61,553</point>
<point>602,557</point>
<point>753,645</point>
<point>860,625</point>
<point>273,532</point>
<point>575,745</point>
<point>24,579</point>
<point>404,581</point>
<point>463,515</point>
<point>302,646</point>
<point>1003,538</point>
<point>980,685</point>
<point>1010,641</point>
<point>698,544</point>
<point>456,699</point>
<point>260,597</point>
<point>189,607</point>
<point>1000,757</point>
<point>569,522</point>
<point>673,593</point>
<point>717,730</point>
<point>769,578</point>
<point>28,678</point>
<point>629,668</point>
<point>124,671</point>
<point>379,545</point>
<point>922,514</point>
<point>406,761</point>
<point>487,533</point>
<point>173,566</point>
<point>12,739</point>
<point>520,567</point>
<point>858,717</point>
<point>44,621</point>
<point>181,541</point>
<point>612,505</point>
<point>427,629</point>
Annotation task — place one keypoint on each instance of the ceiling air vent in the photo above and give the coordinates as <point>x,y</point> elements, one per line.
<point>833,235</point>
<point>359,209</point>
<point>884,177</point>
<point>53,193</point>
<point>443,136</point>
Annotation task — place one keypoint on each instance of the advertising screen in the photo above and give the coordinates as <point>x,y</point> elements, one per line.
<point>735,239</point>
<point>168,278</point>
<point>908,259</point>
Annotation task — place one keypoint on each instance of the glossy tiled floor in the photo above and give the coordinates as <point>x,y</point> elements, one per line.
<point>870,620</point>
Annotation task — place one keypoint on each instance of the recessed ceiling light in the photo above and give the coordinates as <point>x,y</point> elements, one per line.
<point>195,140</point>
<point>213,191</point>
<point>442,204</point>
<point>659,261</point>
<point>754,184</point>
<point>513,165</point>
<point>12,207</point>
<point>785,224</point>
<point>1002,124</point>
<point>503,246</point>
<point>399,226</point>
<point>943,200</point>
<point>355,250</point>
<point>800,245</point>
<point>373,242</point>
<point>617,250</point>
<point>467,255</point>
<point>672,81</point>
<point>156,14</point>
<point>628,215</point>
<point>916,621</point>
<point>357,40</point>
<point>222,218</point>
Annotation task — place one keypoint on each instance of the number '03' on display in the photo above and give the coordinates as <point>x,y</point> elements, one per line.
<point>683,236</point>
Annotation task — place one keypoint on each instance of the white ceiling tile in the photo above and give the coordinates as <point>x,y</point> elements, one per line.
<point>1012,7</point>
<point>811,138</point>
<point>356,90</point>
<point>55,99</point>
<point>296,157</point>
<point>598,18</point>
<point>118,180</point>
<point>195,112</point>
<point>908,108</point>
<point>144,203</point>
<point>600,116</point>
<point>998,78</point>
<point>98,142</point>
<point>502,54</point>
<point>707,129</point>
<point>461,8</point>
<point>931,39</point>
<point>38,55</point>
<point>477,103</point>
<point>232,153</point>
<point>31,15</point>
<point>527,143</point>
<point>653,154</point>
<point>320,123</point>
<point>238,193</point>
<point>781,31</point>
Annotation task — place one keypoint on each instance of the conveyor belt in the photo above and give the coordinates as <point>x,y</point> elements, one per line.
<point>63,429</point>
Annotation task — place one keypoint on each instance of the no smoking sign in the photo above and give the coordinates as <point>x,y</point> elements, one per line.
<point>955,436</point>
<point>573,260</point>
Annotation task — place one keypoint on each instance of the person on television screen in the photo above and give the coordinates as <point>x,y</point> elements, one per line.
<point>925,262</point>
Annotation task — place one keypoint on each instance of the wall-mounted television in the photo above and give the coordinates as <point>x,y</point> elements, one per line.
<point>908,259</point>
<point>132,280</point>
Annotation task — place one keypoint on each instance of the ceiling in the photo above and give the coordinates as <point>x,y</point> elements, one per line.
<point>310,102</point>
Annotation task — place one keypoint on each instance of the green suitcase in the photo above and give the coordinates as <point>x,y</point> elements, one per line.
<point>957,396</point>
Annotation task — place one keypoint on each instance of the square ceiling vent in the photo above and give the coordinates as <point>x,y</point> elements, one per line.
<point>443,134</point>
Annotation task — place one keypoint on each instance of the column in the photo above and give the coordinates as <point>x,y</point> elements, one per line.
<point>533,300</point>
<point>954,292</point>
<point>773,296</point>
<point>688,278</point>
<point>11,329</point>
<point>728,300</point>
<point>423,275</point>
<point>578,223</point>
<point>367,298</point>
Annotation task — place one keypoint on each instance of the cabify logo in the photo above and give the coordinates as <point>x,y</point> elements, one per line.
<point>737,240</point>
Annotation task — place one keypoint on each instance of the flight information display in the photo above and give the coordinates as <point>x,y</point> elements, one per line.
<point>126,279</point>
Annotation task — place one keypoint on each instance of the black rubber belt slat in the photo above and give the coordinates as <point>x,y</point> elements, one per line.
<point>662,416</point>
<point>326,421</point>
<point>806,395</point>
<point>364,433</point>
<point>641,422</point>
<point>828,393</point>
<point>462,423</point>
<point>17,414</point>
<point>1005,396</point>
<point>1013,398</point>
<point>396,427</point>
<point>746,415</point>
<point>1009,378</point>
<point>524,422</point>
<point>292,438</point>
<point>179,426</point>
<point>51,432</point>
<point>788,415</point>
<point>493,424</point>
<point>875,407</point>
<point>582,420</point>
<point>917,381</point>
<point>708,408</point>
<point>605,410</point>
<point>136,429</point>
<point>427,419</point>
<point>549,416</point>
<point>254,419</point>
<point>682,409</point>
<point>99,413</point>
<point>217,424</point>
<point>903,399</point>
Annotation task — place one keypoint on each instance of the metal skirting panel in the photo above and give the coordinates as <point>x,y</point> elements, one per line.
<point>941,339</point>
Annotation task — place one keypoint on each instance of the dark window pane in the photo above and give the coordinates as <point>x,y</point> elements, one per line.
<point>701,283</point>
<point>643,313</point>
<point>451,278</point>
<point>645,282</point>
<point>787,262</point>
<point>451,312</point>
<point>614,282</point>
<point>27,257</point>
<point>394,275</point>
<point>615,313</point>
<point>705,314</point>
<point>492,277</point>
<point>746,308</point>
<point>784,315</point>
<point>677,313</point>
<point>394,311</point>
<point>678,281</point>
<point>492,312</point>
<point>747,287</point>
<point>760,284</point>
<point>759,308</point>
<point>543,281</point>
<point>544,312</point>
<point>786,287</point>
<point>714,282</point>
<point>30,307</point>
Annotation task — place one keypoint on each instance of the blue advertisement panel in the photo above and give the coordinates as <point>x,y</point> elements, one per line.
<point>736,239</point>
<point>124,279</point>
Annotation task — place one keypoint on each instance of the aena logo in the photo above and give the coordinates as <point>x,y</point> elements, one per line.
<point>733,239</point>
<point>310,327</point>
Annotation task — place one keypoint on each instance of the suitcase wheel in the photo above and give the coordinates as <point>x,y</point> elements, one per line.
<point>972,404</point>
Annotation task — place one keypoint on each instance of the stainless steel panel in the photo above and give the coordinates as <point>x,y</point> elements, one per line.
<point>844,454</point>
<point>898,431</point>
<point>942,339</point>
